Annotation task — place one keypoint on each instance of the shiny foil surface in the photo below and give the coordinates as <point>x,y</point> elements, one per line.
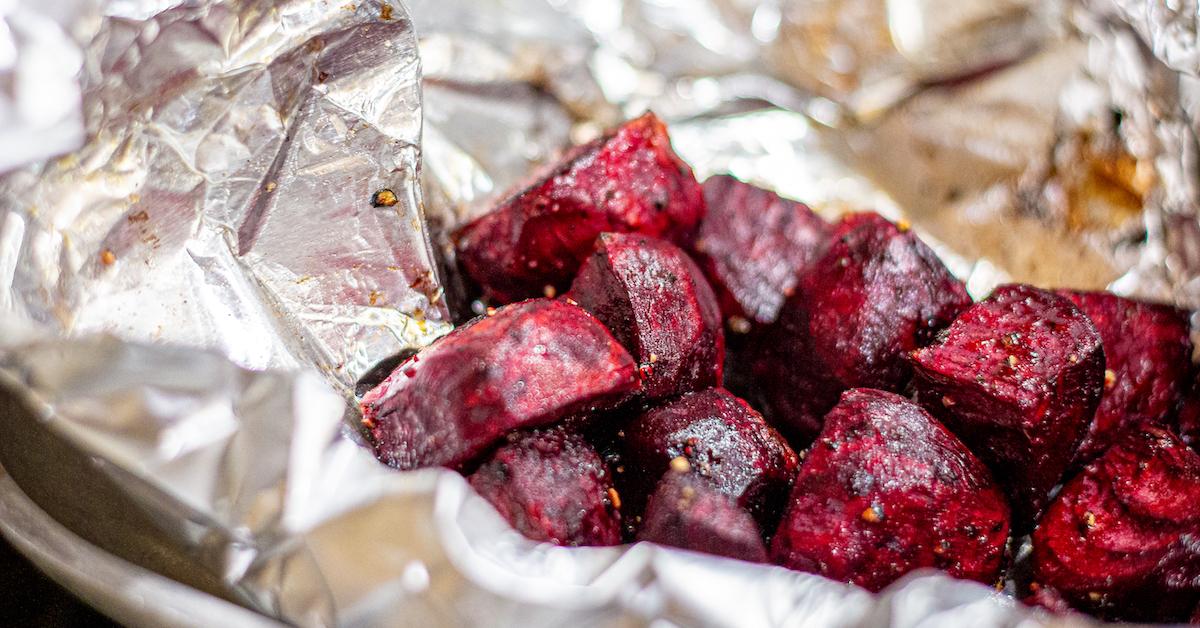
<point>216,218</point>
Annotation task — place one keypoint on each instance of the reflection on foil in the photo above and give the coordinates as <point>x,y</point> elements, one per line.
<point>229,198</point>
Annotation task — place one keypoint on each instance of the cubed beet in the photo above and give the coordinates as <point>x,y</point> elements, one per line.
<point>627,181</point>
<point>529,364</point>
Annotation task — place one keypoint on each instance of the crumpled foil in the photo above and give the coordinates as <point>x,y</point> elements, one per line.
<point>256,217</point>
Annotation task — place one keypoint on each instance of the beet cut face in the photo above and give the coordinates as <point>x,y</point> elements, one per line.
<point>885,490</point>
<point>1122,539</point>
<point>628,181</point>
<point>876,294</point>
<point>1017,377</point>
<point>722,439</point>
<point>753,245</point>
<point>688,512</point>
<point>657,303</point>
<point>552,486</point>
<point>1147,351</point>
<point>530,364</point>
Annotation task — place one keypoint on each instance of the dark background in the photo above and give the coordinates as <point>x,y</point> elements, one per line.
<point>29,598</point>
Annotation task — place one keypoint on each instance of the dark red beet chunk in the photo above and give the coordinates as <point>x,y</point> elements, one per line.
<point>876,294</point>
<point>658,304</point>
<point>885,490</point>
<point>552,486</point>
<point>1017,378</point>
<point>628,181</point>
<point>721,438</point>
<point>1147,351</point>
<point>753,245</point>
<point>528,365</point>
<point>688,512</point>
<point>1122,539</point>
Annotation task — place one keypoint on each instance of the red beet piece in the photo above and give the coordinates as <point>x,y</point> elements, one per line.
<point>628,181</point>
<point>688,512</point>
<point>753,245</point>
<point>1122,539</point>
<point>876,294</point>
<point>552,486</point>
<point>528,365</point>
<point>1147,351</point>
<point>657,303</point>
<point>722,439</point>
<point>1017,377</point>
<point>885,490</point>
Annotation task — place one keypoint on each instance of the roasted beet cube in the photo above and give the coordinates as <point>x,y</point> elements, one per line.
<point>885,490</point>
<point>658,304</point>
<point>552,486</point>
<point>628,181</point>
<point>1147,351</point>
<point>528,365</point>
<point>1017,377</point>
<point>1122,538</point>
<point>717,436</point>
<point>753,245</point>
<point>876,294</point>
<point>688,512</point>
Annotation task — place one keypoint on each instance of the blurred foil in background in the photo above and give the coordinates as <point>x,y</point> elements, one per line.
<point>41,55</point>
<point>256,183</point>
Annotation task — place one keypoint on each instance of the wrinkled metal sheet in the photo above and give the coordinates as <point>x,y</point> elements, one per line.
<point>224,208</point>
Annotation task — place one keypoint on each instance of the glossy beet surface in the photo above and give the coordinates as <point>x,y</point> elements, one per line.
<point>628,181</point>
<point>1147,351</point>
<point>1122,539</point>
<point>753,245</point>
<point>876,294</point>
<point>528,365</point>
<point>721,438</point>
<point>686,511</point>
<point>1017,377</point>
<point>658,304</point>
<point>552,486</point>
<point>885,490</point>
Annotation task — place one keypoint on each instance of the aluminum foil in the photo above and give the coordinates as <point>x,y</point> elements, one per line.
<point>257,213</point>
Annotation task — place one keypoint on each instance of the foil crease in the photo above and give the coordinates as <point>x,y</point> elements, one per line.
<point>190,297</point>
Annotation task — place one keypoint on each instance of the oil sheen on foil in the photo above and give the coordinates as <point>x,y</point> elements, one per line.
<point>229,213</point>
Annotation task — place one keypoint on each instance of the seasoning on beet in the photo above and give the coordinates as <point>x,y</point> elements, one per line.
<point>1017,377</point>
<point>721,438</point>
<point>657,303</point>
<point>688,512</point>
<point>877,293</point>
<point>1147,353</point>
<point>628,181</point>
<point>885,490</point>
<point>1122,538</point>
<point>526,365</point>
<point>552,486</point>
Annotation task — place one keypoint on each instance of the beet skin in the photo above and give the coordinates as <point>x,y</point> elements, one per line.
<point>885,490</point>
<point>657,303</point>
<point>876,294</point>
<point>1017,377</point>
<point>753,245</point>
<point>1122,538</point>
<point>528,365</point>
<point>722,439</point>
<point>627,181</point>
<point>552,486</point>
<point>1147,351</point>
<point>688,512</point>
